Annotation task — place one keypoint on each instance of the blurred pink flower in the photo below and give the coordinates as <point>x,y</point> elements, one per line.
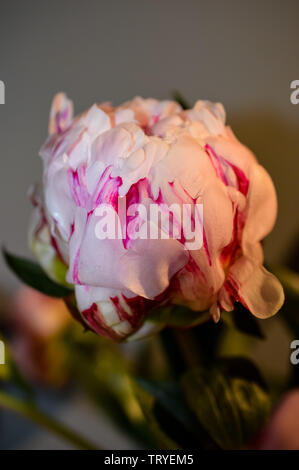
<point>37,322</point>
<point>153,152</point>
<point>281,433</point>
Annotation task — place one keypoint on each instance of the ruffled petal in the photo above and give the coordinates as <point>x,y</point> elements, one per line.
<point>61,113</point>
<point>255,287</point>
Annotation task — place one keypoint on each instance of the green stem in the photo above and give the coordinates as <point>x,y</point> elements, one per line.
<point>29,411</point>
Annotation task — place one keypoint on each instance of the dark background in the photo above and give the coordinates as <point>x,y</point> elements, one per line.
<point>242,53</point>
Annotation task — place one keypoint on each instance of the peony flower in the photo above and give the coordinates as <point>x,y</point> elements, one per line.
<point>154,154</point>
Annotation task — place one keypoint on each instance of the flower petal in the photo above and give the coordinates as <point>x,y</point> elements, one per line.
<point>255,287</point>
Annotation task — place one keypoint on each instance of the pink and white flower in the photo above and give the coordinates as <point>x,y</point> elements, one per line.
<point>153,152</point>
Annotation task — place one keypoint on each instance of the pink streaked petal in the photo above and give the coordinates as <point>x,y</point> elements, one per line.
<point>261,208</point>
<point>229,173</point>
<point>233,152</point>
<point>80,223</point>
<point>110,312</point>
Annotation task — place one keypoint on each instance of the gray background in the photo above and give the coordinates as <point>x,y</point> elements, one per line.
<point>243,53</point>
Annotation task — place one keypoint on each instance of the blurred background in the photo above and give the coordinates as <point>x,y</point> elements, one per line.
<point>242,53</point>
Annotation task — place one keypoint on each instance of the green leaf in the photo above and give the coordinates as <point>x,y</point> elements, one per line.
<point>242,368</point>
<point>231,407</point>
<point>148,404</point>
<point>33,275</point>
<point>171,414</point>
<point>179,98</point>
<point>170,397</point>
<point>245,322</point>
